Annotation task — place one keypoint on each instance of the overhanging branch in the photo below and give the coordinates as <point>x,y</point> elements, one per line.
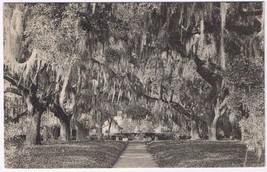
<point>59,112</point>
<point>212,78</point>
<point>14,82</point>
<point>137,86</point>
<point>13,90</point>
<point>175,105</point>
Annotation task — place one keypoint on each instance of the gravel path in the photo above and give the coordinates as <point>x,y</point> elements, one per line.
<point>136,156</point>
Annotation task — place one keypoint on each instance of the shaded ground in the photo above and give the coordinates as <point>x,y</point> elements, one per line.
<point>202,154</point>
<point>86,154</point>
<point>136,156</point>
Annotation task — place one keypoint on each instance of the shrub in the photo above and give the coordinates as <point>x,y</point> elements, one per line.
<point>166,136</point>
<point>252,129</point>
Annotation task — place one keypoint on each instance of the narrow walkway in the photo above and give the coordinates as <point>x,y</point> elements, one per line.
<point>136,156</point>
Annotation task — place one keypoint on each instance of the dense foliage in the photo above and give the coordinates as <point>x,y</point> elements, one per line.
<point>167,63</point>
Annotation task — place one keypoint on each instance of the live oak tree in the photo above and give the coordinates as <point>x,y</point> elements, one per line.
<point>39,48</point>
<point>245,74</point>
<point>174,58</point>
<point>204,44</point>
<point>17,66</point>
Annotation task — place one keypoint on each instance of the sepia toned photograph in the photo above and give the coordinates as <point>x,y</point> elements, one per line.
<point>133,85</point>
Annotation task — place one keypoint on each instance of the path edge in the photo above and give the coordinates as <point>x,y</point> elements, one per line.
<point>112,165</point>
<point>153,155</point>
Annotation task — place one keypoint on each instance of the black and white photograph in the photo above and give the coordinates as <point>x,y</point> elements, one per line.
<point>133,84</point>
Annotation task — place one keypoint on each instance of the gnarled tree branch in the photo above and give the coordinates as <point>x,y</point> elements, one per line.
<point>15,83</point>
<point>13,90</point>
<point>59,112</point>
<point>212,78</point>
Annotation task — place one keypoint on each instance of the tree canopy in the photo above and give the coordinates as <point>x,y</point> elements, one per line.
<point>169,62</point>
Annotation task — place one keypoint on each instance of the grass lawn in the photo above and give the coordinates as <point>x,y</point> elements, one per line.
<point>84,154</point>
<point>202,154</point>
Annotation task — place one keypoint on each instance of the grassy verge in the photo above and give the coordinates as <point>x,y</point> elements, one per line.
<point>84,154</point>
<point>202,154</point>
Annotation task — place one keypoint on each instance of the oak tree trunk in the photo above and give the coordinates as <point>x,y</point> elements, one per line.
<point>33,136</point>
<point>38,128</point>
<point>81,132</point>
<point>45,133</point>
<point>223,8</point>
<point>194,130</point>
<point>64,130</point>
<point>99,133</point>
<point>109,127</point>
<point>212,128</point>
<point>109,131</point>
<point>212,132</point>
